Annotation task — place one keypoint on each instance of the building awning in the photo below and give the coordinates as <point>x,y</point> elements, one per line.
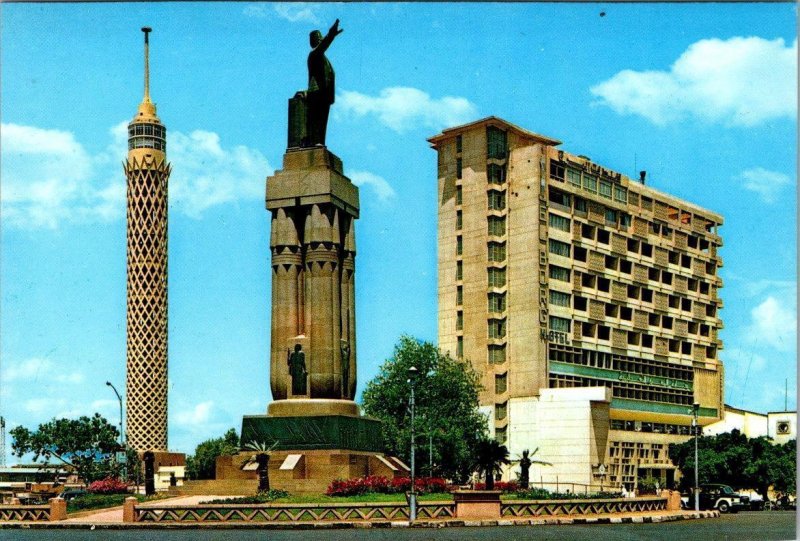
<point>290,462</point>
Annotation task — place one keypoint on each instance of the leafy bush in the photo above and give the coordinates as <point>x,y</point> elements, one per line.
<point>503,486</point>
<point>109,485</point>
<point>648,485</point>
<point>377,484</point>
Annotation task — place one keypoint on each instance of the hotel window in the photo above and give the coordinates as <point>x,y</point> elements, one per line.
<point>459,220</point>
<point>495,143</point>
<point>459,295</point>
<point>647,341</point>
<point>633,246</point>
<point>458,167</point>
<point>559,273</point>
<point>711,352</point>
<point>603,236</point>
<point>496,225</point>
<point>652,319</point>
<point>496,200</point>
<point>611,262</point>
<point>686,348</point>
<point>559,248</point>
<point>500,382</point>
<point>587,231</point>
<point>633,338</point>
<point>560,198</point>
<point>497,328</point>
<point>621,194</point>
<point>587,329</point>
<point>590,183</point>
<point>647,250</point>
<point>559,222</point>
<point>686,261</point>
<point>496,174</point>
<point>674,301</point>
<point>666,277</point>
<point>559,299</point>
<point>559,324</point>
<point>579,254</point>
<point>579,303</point>
<point>625,266</point>
<point>580,205</point>
<point>625,220</point>
<point>603,284</point>
<point>673,257</point>
<point>500,435</point>
<point>587,280</point>
<point>460,347</point>
<point>686,305</point>
<point>605,189</point>
<point>459,143</point>
<point>497,252</point>
<point>611,310</point>
<point>459,270</point>
<point>653,274</point>
<point>500,411</point>
<point>556,171</point>
<point>497,277</point>
<point>459,195</point>
<point>647,295</point>
<point>497,302</point>
<point>574,177</point>
<point>647,203</point>
<point>603,332</point>
<point>497,355</point>
<point>459,320</point>
<point>459,244</point>
<point>626,313</point>
<point>633,292</point>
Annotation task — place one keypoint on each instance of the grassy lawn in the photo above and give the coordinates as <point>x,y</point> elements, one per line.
<point>102,501</point>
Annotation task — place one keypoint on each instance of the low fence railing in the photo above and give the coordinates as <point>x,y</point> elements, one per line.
<point>347,512</point>
<point>550,508</point>
<point>55,510</point>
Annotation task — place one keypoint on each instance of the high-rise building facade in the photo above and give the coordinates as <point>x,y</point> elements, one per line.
<point>147,172</point>
<point>587,301</point>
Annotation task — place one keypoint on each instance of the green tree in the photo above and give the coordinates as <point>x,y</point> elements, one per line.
<point>490,456</point>
<point>86,444</point>
<point>202,464</point>
<point>446,397</point>
<point>734,459</point>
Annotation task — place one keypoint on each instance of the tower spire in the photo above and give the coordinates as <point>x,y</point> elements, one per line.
<point>146,30</point>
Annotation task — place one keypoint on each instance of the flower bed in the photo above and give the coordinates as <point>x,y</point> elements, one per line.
<point>109,485</point>
<point>377,484</point>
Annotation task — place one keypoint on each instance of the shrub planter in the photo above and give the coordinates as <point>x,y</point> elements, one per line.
<point>477,503</point>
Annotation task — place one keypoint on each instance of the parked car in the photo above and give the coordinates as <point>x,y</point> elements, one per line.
<point>720,497</point>
<point>72,493</point>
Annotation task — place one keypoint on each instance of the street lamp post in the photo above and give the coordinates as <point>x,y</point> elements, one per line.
<point>412,497</point>
<point>694,410</point>
<point>121,437</point>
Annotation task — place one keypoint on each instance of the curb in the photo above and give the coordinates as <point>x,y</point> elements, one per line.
<point>447,523</point>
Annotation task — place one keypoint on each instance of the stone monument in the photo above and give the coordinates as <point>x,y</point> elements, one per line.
<point>313,424</point>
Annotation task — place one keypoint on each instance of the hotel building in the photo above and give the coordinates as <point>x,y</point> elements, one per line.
<point>586,300</point>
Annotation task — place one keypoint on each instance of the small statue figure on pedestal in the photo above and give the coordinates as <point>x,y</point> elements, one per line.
<point>297,369</point>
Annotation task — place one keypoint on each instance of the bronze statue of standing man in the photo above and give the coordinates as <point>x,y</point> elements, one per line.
<point>321,85</point>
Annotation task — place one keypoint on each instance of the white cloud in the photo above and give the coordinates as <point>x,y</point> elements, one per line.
<point>204,174</point>
<point>740,81</point>
<point>296,12</point>
<point>774,323</point>
<point>383,190</point>
<point>767,184</point>
<point>49,178</point>
<point>291,11</point>
<point>39,370</point>
<point>200,414</point>
<point>405,108</point>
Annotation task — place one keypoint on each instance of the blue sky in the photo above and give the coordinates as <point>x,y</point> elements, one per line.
<point>702,96</point>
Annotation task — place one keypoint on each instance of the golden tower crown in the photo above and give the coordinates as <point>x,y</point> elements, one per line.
<point>145,131</point>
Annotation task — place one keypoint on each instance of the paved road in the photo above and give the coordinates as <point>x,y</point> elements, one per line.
<point>748,526</point>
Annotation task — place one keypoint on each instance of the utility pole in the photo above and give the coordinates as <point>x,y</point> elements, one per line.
<point>2,442</point>
<point>412,497</point>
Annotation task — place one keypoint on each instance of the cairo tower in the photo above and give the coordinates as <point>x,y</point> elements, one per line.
<point>147,172</point>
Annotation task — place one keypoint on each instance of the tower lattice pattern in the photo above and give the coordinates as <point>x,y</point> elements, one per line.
<point>147,302</point>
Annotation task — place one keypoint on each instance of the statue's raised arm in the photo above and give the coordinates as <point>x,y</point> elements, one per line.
<point>321,86</point>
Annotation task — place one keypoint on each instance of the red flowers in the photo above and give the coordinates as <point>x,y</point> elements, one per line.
<point>382,485</point>
<point>109,485</point>
<point>510,486</point>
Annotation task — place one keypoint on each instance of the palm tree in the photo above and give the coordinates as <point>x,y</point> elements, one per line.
<point>525,462</point>
<point>262,459</point>
<point>490,456</point>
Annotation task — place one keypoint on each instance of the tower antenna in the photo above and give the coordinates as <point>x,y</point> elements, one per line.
<point>146,30</point>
